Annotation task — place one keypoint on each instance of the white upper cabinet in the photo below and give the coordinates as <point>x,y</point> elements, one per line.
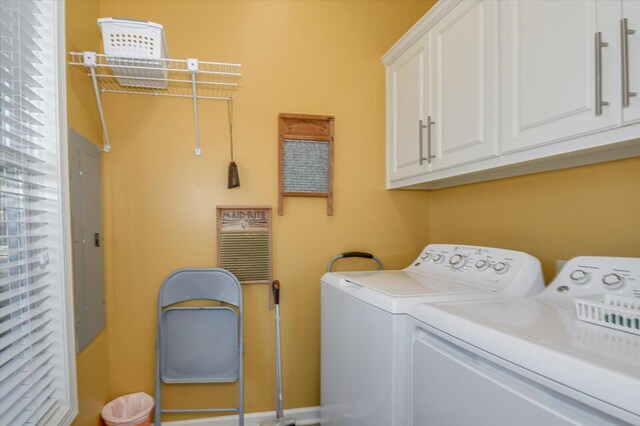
<point>487,89</point>
<point>464,84</point>
<point>631,52</point>
<point>407,97</point>
<point>550,66</point>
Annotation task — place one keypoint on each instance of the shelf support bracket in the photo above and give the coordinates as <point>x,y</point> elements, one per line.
<point>90,63</point>
<point>192,67</point>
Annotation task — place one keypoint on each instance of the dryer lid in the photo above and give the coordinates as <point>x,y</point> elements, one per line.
<point>547,339</point>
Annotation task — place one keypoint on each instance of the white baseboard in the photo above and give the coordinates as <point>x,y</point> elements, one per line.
<point>302,416</point>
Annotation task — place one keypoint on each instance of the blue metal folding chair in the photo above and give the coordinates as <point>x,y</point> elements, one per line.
<point>200,344</point>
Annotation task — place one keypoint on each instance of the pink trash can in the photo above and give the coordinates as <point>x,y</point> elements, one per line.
<point>129,410</point>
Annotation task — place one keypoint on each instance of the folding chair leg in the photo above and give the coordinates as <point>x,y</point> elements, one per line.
<point>158,407</point>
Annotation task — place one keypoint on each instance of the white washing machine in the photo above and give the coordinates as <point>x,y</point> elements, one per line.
<point>365,339</point>
<point>531,361</point>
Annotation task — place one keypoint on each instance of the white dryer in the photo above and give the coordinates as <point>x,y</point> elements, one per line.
<point>531,361</point>
<point>365,340</point>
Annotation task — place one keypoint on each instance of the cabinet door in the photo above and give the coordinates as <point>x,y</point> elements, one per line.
<point>465,72</point>
<point>548,70</point>
<point>631,11</point>
<point>407,86</point>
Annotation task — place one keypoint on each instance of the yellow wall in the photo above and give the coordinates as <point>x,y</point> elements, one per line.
<point>307,57</point>
<point>318,57</point>
<point>592,210</point>
<point>82,34</point>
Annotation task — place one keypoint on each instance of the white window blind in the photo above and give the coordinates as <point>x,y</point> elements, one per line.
<point>37,383</point>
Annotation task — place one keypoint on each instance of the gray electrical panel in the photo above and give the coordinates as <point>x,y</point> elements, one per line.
<point>86,218</point>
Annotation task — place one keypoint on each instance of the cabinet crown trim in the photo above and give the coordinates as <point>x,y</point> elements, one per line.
<point>420,28</point>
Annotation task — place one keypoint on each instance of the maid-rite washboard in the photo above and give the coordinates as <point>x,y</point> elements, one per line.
<point>244,242</point>
<point>305,166</point>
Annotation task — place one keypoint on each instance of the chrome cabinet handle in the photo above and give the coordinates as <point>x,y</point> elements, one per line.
<point>599,45</point>
<point>429,124</point>
<point>420,127</point>
<point>624,46</point>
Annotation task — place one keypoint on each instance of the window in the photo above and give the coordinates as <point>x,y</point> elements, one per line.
<point>37,360</point>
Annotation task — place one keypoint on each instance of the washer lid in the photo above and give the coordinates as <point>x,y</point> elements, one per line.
<point>549,340</point>
<point>410,284</point>
<point>398,291</point>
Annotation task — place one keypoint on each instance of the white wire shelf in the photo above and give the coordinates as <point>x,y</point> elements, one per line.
<point>163,77</point>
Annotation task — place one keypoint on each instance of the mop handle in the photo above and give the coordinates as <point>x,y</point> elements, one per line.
<point>279,402</point>
<point>276,292</point>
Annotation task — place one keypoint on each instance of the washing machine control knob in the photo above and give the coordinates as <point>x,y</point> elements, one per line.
<point>579,276</point>
<point>613,281</point>
<point>482,264</point>
<point>500,267</point>
<point>438,258</point>
<point>457,261</point>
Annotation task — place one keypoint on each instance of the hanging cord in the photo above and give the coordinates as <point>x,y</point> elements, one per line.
<point>230,112</point>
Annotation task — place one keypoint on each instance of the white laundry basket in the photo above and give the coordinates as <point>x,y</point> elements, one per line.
<point>135,49</point>
<point>609,310</point>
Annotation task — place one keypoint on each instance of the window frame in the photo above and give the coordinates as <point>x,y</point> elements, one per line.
<point>65,417</point>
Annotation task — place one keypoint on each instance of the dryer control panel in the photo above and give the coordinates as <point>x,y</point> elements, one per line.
<point>487,266</point>
<point>592,275</point>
